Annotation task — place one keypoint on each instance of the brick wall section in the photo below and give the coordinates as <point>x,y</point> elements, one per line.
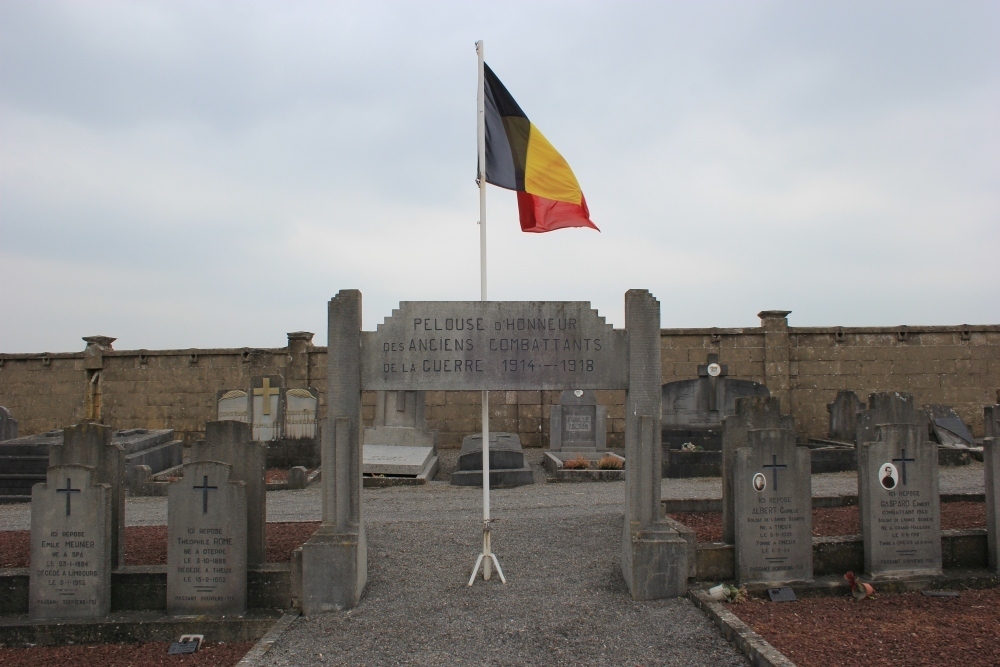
<point>954,365</point>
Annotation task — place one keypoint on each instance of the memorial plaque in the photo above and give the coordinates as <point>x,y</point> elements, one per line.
<point>234,405</point>
<point>578,423</point>
<point>207,542</point>
<point>70,574</point>
<point>468,345</point>
<point>900,502</point>
<point>300,413</point>
<point>773,487</point>
<point>266,407</point>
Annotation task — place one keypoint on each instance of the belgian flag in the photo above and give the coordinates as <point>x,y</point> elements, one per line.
<point>520,158</point>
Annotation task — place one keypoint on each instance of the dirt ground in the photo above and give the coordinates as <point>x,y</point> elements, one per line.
<point>146,654</point>
<point>147,545</point>
<point>830,521</point>
<point>897,630</point>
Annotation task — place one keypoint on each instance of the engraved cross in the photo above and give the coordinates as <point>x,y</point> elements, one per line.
<point>69,491</point>
<point>266,391</point>
<point>204,494</point>
<point>774,466</point>
<point>903,461</point>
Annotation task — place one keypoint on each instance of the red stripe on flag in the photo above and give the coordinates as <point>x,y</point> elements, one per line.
<point>539,214</point>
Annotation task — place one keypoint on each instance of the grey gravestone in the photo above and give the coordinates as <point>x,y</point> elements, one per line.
<point>157,449</point>
<point>844,416</point>
<point>899,502</point>
<point>8,425</point>
<point>206,548</point>
<point>507,465</point>
<point>229,442</point>
<point>579,423</point>
<point>707,400</point>
<point>394,460</point>
<point>752,413</point>
<point>991,459</point>
<point>301,407</point>
<point>70,574</point>
<point>90,444</point>
<point>266,407</point>
<point>233,405</point>
<point>891,407</point>
<point>773,507</point>
<point>400,420</point>
<point>948,427</point>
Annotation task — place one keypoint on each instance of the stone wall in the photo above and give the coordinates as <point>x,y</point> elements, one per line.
<point>804,366</point>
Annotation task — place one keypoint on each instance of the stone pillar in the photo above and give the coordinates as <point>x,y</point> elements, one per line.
<point>229,442</point>
<point>89,444</point>
<point>991,452</point>
<point>654,556</point>
<point>93,363</point>
<point>752,413</point>
<point>8,425</point>
<point>776,355</point>
<point>297,371</point>
<point>335,558</point>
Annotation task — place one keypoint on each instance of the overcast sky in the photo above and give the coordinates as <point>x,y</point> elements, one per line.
<point>202,174</point>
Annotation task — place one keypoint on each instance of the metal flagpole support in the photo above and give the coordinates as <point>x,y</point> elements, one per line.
<point>487,557</point>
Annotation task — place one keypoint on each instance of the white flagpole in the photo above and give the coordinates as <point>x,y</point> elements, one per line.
<point>487,558</point>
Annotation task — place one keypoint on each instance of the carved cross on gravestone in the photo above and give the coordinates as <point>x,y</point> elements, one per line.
<point>774,466</point>
<point>902,460</point>
<point>204,488</point>
<point>266,391</point>
<point>713,370</point>
<point>69,491</point>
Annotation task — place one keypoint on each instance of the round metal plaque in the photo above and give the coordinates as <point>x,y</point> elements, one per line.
<point>714,370</point>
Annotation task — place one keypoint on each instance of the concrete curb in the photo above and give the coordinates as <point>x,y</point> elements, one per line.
<point>752,645</point>
<point>256,654</point>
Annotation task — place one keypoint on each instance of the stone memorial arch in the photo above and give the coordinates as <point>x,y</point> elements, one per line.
<point>492,345</point>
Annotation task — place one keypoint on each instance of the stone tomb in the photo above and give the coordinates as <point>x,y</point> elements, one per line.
<point>396,461</point>
<point>507,464</point>
<point>899,502</point>
<point>991,459</point>
<point>229,442</point>
<point>8,425</point>
<point>70,573</point>
<point>844,412</point>
<point>579,423</point>
<point>772,483</point>
<point>287,420</point>
<point>206,547</point>
<point>266,407</point>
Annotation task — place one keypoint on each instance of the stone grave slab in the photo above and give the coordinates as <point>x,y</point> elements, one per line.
<point>579,423</point>
<point>266,407</point>
<point>70,573</point>
<point>773,509</point>
<point>507,464</point>
<point>8,425</point>
<point>394,460</point>
<point>207,548</point>
<point>900,503</point>
<point>844,412</point>
<point>233,405</point>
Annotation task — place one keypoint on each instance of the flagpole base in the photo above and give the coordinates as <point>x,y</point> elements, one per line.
<point>486,559</point>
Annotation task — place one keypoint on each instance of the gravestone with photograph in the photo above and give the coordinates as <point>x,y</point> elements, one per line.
<point>229,442</point>
<point>772,483</point>
<point>206,548</point>
<point>70,573</point>
<point>266,407</point>
<point>899,502</point>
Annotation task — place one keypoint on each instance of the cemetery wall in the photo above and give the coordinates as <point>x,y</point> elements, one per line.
<point>804,366</point>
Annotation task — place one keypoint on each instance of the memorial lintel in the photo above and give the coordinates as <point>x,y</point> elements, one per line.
<point>475,345</point>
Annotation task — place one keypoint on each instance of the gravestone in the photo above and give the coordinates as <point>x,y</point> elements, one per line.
<point>229,442</point>
<point>206,548</point>
<point>91,444</point>
<point>751,413</point>
<point>947,427</point>
<point>157,449</point>
<point>899,501</point>
<point>890,407</point>
<point>70,573</point>
<point>400,419</point>
<point>579,423</point>
<point>266,407</point>
<point>8,425</point>
<point>772,482</point>
<point>301,407</point>
<point>393,460</point>
<point>233,405</point>
<point>991,460</point>
<point>507,464</point>
<point>844,416</point>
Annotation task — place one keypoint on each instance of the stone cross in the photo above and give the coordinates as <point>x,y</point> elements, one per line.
<point>206,542</point>
<point>70,573</point>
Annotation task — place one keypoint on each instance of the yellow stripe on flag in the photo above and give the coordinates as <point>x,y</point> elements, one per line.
<point>546,173</point>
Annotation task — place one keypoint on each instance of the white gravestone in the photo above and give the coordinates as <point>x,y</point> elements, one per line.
<point>772,482</point>
<point>207,542</point>
<point>900,502</point>
<point>70,545</point>
<point>234,406</point>
<point>300,413</point>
